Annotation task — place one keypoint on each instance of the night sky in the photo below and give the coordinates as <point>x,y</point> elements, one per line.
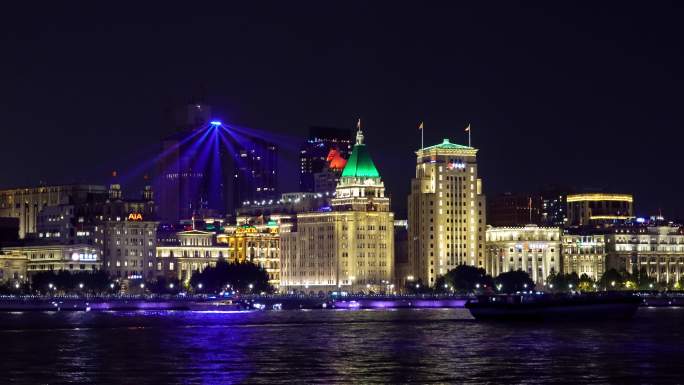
<point>587,95</point>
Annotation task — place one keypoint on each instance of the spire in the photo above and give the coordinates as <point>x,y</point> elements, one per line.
<point>359,133</point>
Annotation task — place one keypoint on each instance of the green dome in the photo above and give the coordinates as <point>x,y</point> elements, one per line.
<point>360,164</point>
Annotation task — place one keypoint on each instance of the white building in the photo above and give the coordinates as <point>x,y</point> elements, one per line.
<point>533,249</point>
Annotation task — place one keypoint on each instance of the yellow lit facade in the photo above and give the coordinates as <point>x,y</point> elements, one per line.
<point>584,254</point>
<point>259,244</point>
<point>350,247</point>
<point>72,258</point>
<point>535,250</point>
<point>446,212</point>
<point>657,250</point>
<point>194,252</point>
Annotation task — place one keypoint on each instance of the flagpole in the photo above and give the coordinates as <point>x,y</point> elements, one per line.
<point>422,130</point>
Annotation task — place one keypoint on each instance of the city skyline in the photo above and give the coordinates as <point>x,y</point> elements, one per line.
<point>585,103</point>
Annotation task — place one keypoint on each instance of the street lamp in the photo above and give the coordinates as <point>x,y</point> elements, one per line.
<point>80,286</point>
<point>570,286</point>
<point>16,285</point>
<point>50,285</point>
<point>111,285</point>
<point>477,285</point>
<point>550,286</point>
<point>171,285</point>
<point>499,287</point>
<point>199,286</point>
<point>612,283</point>
<point>142,285</point>
<point>650,285</point>
<point>417,286</point>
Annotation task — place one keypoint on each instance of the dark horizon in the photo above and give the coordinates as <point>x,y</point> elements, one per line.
<point>579,95</point>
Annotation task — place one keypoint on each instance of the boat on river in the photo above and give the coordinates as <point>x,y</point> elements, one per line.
<point>586,307</point>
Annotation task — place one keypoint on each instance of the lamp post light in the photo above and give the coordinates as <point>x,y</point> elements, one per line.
<point>80,286</point>
<point>111,285</point>
<point>650,285</point>
<point>477,285</point>
<point>171,286</point>
<point>570,286</point>
<point>199,286</point>
<point>612,284</point>
<point>16,285</point>
<point>499,287</point>
<point>50,285</point>
<point>142,285</point>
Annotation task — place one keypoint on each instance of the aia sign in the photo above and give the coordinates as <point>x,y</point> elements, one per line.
<point>135,217</point>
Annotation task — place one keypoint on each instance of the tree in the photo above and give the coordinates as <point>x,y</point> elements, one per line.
<point>614,280</point>
<point>586,283</point>
<point>464,279</point>
<point>643,281</point>
<point>162,285</point>
<point>244,277</point>
<point>417,287</point>
<point>513,281</point>
<point>79,282</point>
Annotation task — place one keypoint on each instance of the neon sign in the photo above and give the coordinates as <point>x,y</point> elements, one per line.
<point>453,165</point>
<point>135,217</point>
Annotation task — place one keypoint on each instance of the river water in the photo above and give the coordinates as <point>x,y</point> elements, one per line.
<point>335,346</point>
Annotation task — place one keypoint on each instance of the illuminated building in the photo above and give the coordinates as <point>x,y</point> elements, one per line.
<point>510,210</point>
<point>55,257</point>
<point>255,243</point>
<point>129,246</point>
<point>348,246</point>
<point>192,251</point>
<point>313,155</point>
<point>656,250</point>
<point>27,203</point>
<point>532,249</point>
<point>599,208</point>
<point>584,254</point>
<point>446,215</point>
<point>13,267</point>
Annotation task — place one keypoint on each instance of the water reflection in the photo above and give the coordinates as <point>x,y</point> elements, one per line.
<point>376,346</point>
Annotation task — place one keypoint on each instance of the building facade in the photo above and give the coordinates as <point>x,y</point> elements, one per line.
<point>512,210</point>
<point>532,249</point>
<point>446,211</point>
<point>193,251</point>
<point>599,208</point>
<point>656,250</point>
<point>129,246</point>
<point>255,243</point>
<point>584,254</point>
<point>53,257</point>
<point>26,203</point>
<point>349,246</point>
